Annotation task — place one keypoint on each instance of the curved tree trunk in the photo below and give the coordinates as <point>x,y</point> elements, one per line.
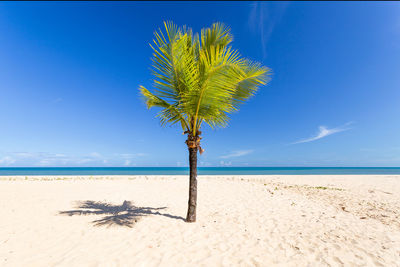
<point>191,214</point>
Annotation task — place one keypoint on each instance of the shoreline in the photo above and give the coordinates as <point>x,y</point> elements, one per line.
<point>247,176</point>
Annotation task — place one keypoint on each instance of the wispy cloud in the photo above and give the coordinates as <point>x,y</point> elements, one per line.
<point>47,159</point>
<point>263,18</point>
<point>224,163</point>
<point>237,153</point>
<point>323,131</point>
<point>24,155</point>
<point>205,164</point>
<point>130,155</point>
<point>95,155</point>
<point>7,161</point>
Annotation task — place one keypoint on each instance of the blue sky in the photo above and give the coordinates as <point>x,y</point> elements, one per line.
<point>70,71</point>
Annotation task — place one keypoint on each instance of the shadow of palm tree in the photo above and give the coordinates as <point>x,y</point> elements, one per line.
<point>116,215</point>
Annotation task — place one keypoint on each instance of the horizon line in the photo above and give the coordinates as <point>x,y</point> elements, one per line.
<point>128,167</point>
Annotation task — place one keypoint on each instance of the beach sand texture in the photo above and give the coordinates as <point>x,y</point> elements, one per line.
<point>275,220</point>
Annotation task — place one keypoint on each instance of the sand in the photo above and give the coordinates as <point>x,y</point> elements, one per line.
<point>276,220</point>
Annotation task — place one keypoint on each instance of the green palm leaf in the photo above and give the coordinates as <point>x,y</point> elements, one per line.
<point>200,78</point>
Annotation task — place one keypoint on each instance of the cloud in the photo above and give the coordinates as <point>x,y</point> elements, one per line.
<point>130,155</point>
<point>95,155</point>
<point>46,159</point>
<point>323,131</point>
<point>205,164</point>
<point>263,18</point>
<point>7,161</point>
<point>224,163</point>
<point>237,153</point>
<point>178,164</point>
<point>24,155</point>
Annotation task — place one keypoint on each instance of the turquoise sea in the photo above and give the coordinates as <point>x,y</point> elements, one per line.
<point>201,170</point>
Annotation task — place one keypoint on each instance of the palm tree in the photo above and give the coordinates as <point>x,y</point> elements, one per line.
<point>199,79</point>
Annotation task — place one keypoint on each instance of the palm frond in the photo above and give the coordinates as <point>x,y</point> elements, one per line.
<point>169,112</point>
<point>200,78</point>
<point>249,79</point>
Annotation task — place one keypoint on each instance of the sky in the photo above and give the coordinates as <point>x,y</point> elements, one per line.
<point>70,72</point>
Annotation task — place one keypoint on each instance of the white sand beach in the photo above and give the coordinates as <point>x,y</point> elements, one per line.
<point>276,220</point>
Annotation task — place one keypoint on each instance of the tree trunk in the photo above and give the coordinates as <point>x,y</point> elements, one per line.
<point>191,214</point>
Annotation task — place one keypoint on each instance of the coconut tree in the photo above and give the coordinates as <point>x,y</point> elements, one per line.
<point>199,78</point>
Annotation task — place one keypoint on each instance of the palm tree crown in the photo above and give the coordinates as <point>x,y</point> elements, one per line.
<point>199,78</point>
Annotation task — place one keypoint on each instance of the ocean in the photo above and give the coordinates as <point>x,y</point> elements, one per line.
<point>28,171</point>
